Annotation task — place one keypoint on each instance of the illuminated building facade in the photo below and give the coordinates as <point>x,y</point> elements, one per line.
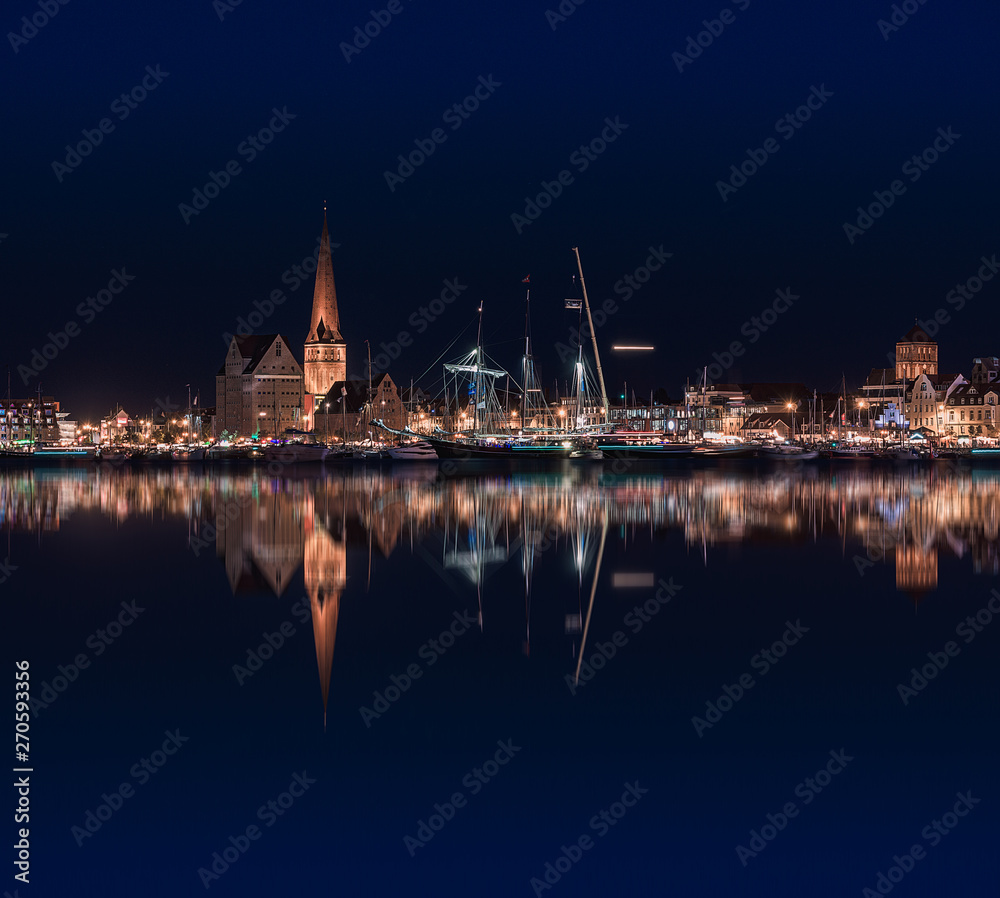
<point>259,388</point>
<point>916,354</point>
<point>325,356</point>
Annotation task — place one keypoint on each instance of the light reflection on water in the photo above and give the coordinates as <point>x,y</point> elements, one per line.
<point>265,528</point>
<point>429,547</point>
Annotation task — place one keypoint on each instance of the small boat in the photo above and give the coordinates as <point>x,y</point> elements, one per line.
<point>113,455</point>
<point>848,453</point>
<point>786,452</point>
<point>586,453</point>
<point>637,451</point>
<point>418,451</point>
<point>61,453</point>
<point>294,452</point>
<point>900,454</point>
<point>188,454</point>
<point>723,450</point>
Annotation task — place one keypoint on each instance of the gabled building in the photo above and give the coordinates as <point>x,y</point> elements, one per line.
<point>351,410</point>
<point>985,370</point>
<point>971,410</point>
<point>925,401</point>
<point>259,388</point>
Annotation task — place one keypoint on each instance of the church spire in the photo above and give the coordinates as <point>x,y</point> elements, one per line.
<point>325,324</point>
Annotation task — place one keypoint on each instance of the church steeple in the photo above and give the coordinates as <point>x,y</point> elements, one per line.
<point>325,324</point>
<point>325,350</point>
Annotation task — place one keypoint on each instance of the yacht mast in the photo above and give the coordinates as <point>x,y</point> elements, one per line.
<point>593,336</point>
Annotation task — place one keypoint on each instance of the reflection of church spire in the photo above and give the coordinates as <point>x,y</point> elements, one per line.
<point>325,578</point>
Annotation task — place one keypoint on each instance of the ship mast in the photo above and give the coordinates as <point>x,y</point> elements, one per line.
<point>593,336</point>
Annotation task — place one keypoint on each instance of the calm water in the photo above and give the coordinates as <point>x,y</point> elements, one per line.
<point>442,682</point>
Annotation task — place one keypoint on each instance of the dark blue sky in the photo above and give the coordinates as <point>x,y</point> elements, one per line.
<point>656,184</point>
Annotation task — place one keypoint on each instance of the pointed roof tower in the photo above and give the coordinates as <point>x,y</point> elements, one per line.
<point>325,324</point>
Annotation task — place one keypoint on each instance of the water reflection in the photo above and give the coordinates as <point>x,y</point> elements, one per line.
<point>265,528</point>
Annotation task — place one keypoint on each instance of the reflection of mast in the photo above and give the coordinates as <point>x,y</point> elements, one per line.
<point>590,606</point>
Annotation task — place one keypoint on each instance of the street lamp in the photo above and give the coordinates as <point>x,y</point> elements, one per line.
<point>262,416</point>
<point>791,408</point>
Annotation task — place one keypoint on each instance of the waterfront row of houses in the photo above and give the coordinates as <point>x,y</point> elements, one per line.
<point>263,391</point>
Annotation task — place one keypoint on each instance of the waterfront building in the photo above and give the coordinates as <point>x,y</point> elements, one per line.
<point>971,410</point>
<point>925,402</point>
<point>985,370</point>
<point>349,408</point>
<point>916,354</point>
<point>37,420</point>
<point>259,388</point>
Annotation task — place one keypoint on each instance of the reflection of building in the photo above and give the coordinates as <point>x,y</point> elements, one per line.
<point>258,388</point>
<point>916,569</point>
<point>261,540</point>
<point>325,562</point>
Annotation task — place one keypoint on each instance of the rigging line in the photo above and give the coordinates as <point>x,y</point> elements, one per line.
<point>447,349</point>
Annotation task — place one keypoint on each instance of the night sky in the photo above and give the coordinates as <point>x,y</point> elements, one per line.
<point>217,74</point>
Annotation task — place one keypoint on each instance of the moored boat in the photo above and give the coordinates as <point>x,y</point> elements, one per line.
<point>295,452</point>
<point>418,451</point>
<point>786,452</point>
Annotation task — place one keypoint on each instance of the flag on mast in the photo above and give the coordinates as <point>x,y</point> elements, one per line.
<point>526,280</point>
